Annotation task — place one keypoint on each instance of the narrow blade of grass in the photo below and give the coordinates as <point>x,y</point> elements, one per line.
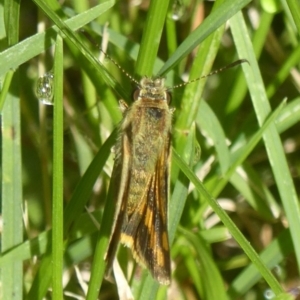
<point>268,276</point>
<point>295,11</point>
<point>223,13</point>
<point>16,55</point>
<point>272,140</point>
<point>151,37</point>
<point>11,171</point>
<point>212,287</point>
<point>280,248</point>
<point>12,201</point>
<point>58,183</point>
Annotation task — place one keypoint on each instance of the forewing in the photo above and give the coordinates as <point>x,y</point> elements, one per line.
<point>146,230</point>
<point>120,176</point>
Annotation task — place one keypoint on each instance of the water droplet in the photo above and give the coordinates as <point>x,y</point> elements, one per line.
<point>178,10</point>
<point>269,294</point>
<point>44,88</point>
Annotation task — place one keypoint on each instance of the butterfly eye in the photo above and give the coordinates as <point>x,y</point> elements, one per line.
<point>168,98</point>
<point>136,94</point>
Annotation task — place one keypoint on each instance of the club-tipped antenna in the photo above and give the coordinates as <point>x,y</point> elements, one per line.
<point>120,68</point>
<point>233,64</point>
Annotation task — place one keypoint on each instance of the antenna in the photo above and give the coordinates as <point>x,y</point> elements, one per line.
<point>117,65</point>
<point>233,64</point>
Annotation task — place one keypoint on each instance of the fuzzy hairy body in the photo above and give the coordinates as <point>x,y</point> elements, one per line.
<point>141,173</point>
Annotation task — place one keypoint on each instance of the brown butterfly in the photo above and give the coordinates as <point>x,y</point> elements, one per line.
<point>141,174</point>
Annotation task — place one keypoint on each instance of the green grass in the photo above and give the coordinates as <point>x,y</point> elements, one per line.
<point>234,210</point>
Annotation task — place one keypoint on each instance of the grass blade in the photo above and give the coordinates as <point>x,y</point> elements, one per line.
<point>58,183</point>
<point>271,138</point>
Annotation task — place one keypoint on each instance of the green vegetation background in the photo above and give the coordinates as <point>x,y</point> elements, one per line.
<point>234,211</point>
